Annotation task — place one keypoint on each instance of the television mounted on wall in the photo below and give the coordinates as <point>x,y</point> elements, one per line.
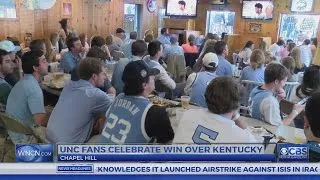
<point>182,8</point>
<point>258,10</point>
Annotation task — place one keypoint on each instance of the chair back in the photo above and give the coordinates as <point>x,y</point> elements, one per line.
<point>288,87</point>
<point>235,58</point>
<point>177,67</point>
<point>14,125</point>
<point>117,55</point>
<point>248,87</point>
<point>190,59</point>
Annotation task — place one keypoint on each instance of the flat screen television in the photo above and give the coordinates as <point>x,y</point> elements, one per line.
<point>260,10</point>
<point>182,8</point>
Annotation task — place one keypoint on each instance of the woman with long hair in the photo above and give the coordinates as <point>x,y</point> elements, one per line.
<point>85,46</point>
<point>268,56</point>
<point>207,37</point>
<point>296,55</point>
<point>255,72</point>
<point>310,84</point>
<point>290,47</point>
<point>65,28</point>
<point>289,63</point>
<point>246,52</point>
<point>65,32</point>
<point>208,47</point>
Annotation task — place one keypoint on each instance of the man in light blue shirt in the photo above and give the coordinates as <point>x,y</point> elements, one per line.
<point>174,48</point>
<point>224,68</point>
<point>71,59</point>
<point>306,54</point>
<point>25,102</point>
<point>138,50</point>
<point>164,38</point>
<point>79,106</point>
<point>126,47</point>
<point>197,82</point>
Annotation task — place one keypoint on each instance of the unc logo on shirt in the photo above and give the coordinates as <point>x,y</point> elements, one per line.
<point>203,135</point>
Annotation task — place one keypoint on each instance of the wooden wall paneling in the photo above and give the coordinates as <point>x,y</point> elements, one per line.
<point>88,16</point>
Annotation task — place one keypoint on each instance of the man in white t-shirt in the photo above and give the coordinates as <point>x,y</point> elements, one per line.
<point>306,54</point>
<point>217,123</point>
<point>276,48</point>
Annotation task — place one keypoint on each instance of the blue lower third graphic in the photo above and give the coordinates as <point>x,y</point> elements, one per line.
<point>292,152</point>
<point>164,157</point>
<point>34,152</point>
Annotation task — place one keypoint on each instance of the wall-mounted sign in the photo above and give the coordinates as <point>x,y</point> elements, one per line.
<point>152,5</point>
<point>255,27</point>
<point>66,9</point>
<point>301,5</point>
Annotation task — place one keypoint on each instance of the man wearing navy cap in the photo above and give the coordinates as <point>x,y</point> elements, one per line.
<point>132,118</point>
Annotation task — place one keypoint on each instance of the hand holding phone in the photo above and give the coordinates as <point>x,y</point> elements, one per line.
<point>297,108</point>
<point>302,101</point>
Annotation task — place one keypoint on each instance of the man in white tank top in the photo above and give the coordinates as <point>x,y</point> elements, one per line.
<point>215,124</point>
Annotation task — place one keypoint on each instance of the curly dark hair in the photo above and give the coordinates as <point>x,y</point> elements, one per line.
<point>223,95</point>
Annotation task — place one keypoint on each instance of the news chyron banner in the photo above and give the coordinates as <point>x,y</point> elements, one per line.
<point>176,168</point>
<point>165,153</point>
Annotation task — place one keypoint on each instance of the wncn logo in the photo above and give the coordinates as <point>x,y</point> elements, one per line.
<point>34,152</point>
<point>292,152</point>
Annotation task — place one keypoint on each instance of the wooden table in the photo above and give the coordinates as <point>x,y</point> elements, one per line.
<point>290,134</point>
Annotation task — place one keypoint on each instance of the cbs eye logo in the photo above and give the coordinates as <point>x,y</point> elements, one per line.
<point>283,151</point>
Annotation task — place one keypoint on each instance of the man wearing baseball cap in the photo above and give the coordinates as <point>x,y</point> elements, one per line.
<point>197,82</point>
<point>9,47</point>
<point>132,118</point>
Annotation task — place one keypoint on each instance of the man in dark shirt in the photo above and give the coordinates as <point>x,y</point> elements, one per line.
<point>132,118</point>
